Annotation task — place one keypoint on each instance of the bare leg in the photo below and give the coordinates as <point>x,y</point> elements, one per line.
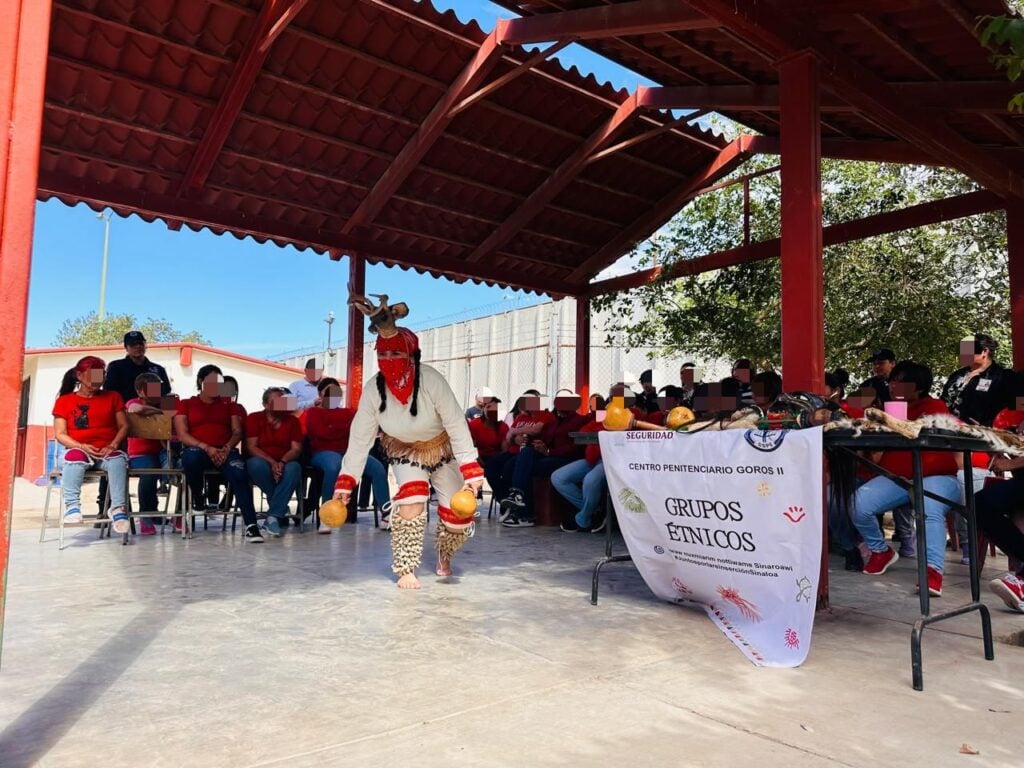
<point>448,543</point>
<point>407,543</point>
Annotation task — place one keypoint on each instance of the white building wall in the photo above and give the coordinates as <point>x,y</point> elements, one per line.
<point>527,348</point>
<point>46,370</point>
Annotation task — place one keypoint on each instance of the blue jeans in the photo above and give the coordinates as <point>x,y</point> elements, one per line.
<point>498,471</point>
<point>329,462</point>
<point>529,464</point>
<point>278,491</point>
<point>148,501</point>
<point>583,486</point>
<point>194,462</point>
<point>839,524</point>
<point>76,463</point>
<point>880,494</point>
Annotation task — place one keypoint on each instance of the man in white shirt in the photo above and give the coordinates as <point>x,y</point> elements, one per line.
<point>305,389</point>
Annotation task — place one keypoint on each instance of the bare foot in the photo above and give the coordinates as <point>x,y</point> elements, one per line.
<point>408,581</point>
<point>444,568</point>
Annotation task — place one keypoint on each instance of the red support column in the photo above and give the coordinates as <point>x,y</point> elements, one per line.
<point>354,352</point>
<point>803,307</point>
<point>583,351</point>
<point>24,39</point>
<point>1015,254</point>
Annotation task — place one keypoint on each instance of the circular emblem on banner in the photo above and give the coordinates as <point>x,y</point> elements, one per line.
<point>632,502</point>
<point>765,440</point>
<point>659,549</point>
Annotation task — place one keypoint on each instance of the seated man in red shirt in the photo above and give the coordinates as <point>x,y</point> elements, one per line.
<point>273,439</point>
<point>546,452</point>
<point>910,381</point>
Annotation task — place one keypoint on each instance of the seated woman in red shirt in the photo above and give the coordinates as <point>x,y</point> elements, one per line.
<point>327,427</point>
<point>273,440</point>
<point>909,381</point>
<point>90,422</point>
<point>488,431</point>
<point>210,430</point>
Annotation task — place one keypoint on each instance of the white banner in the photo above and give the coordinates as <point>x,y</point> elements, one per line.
<point>728,521</point>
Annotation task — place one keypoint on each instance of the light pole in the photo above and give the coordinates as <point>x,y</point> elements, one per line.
<point>330,322</point>
<point>105,218</point>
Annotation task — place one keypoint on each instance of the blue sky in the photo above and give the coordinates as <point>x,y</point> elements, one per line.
<point>254,299</point>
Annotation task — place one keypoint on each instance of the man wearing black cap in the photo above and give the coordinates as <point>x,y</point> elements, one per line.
<point>882,362</point>
<point>647,400</point>
<point>121,373</point>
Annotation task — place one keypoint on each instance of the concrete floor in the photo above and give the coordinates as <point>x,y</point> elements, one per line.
<point>301,652</point>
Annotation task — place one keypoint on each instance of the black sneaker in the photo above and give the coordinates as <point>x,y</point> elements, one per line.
<point>514,521</point>
<point>854,560</point>
<point>512,504</point>
<point>252,534</point>
<point>600,526</point>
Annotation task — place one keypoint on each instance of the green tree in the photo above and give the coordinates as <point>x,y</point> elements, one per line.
<point>90,331</point>
<point>919,291</point>
<point>1004,36</point>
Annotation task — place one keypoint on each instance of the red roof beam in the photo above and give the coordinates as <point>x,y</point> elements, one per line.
<point>852,149</point>
<point>559,179</point>
<point>671,125</point>
<point>487,56</point>
<point>849,7</point>
<point>937,211</point>
<point>635,18</point>
<point>508,77</point>
<point>727,160</point>
<point>197,213</point>
<point>776,37</point>
<point>982,96</point>
<point>274,16</point>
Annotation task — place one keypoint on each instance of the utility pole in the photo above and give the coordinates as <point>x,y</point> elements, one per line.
<point>330,321</point>
<point>105,218</point>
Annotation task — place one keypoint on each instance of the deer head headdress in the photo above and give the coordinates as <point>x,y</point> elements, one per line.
<point>383,318</point>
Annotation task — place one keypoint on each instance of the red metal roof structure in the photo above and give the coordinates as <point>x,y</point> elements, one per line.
<point>384,129</point>
<point>389,132</point>
<point>903,80</point>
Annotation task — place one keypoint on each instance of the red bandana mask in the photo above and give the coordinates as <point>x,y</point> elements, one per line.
<point>398,372</point>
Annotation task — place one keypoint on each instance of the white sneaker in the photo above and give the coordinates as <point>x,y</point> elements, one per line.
<point>73,516</point>
<point>324,528</point>
<point>1011,589</point>
<point>120,526</point>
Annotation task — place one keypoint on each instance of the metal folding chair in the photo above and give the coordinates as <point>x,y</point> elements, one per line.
<point>158,428</point>
<point>102,517</point>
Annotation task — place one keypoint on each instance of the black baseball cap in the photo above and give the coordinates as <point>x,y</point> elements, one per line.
<point>134,337</point>
<point>880,355</point>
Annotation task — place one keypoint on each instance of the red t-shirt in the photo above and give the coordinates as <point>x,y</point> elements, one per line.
<point>91,420</point>
<point>275,441</point>
<point>592,453</point>
<point>328,428</point>
<point>932,462</point>
<point>209,423</point>
<point>527,419</point>
<point>140,446</point>
<point>487,438</point>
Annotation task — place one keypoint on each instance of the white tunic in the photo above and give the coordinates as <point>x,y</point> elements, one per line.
<point>437,411</point>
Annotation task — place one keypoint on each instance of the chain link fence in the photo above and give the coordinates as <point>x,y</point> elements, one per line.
<point>531,347</point>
